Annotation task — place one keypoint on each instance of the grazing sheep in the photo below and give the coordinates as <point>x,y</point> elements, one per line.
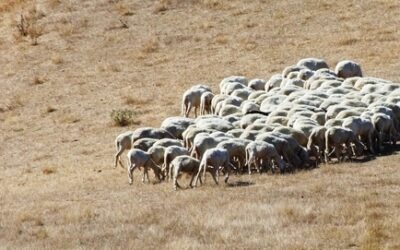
<point>260,152</point>
<point>157,154</point>
<point>205,103</point>
<point>184,164</point>
<point>242,93</point>
<point>204,142</point>
<point>170,154</point>
<point>317,140</point>
<point>346,69</point>
<point>216,158</point>
<point>336,137</point>
<point>138,158</point>
<point>385,129</point>
<point>362,128</point>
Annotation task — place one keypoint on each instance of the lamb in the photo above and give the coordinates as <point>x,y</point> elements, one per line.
<point>346,69</point>
<point>185,164</point>
<point>170,154</point>
<point>217,158</point>
<point>205,103</point>
<point>138,158</point>
<point>258,151</point>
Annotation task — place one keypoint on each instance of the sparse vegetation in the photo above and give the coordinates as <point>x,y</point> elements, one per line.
<point>123,117</point>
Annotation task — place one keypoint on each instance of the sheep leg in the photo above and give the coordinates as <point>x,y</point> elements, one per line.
<point>195,111</point>
<point>188,109</point>
<point>120,150</point>
<point>215,175</point>
<point>130,171</point>
<point>198,175</point>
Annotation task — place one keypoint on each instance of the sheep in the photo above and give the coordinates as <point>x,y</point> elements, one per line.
<point>138,158</point>
<point>202,143</point>
<point>257,151</point>
<point>122,143</point>
<point>185,164</point>
<point>170,154</point>
<point>191,99</point>
<point>229,87</point>
<point>205,103</point>
<point>144,143</point>
<point>333,123</point>
<point>363,128</point>
<point>305,74</point>
<point>385,128</point>
<point>346,69</point>
<point>236,149</point>
<point>215,123</point>
<point>216,158</point>
<point>229,110</point>
<point>336,137</point>
<point>190,134</point>
<point>282,147</point>
<point>242,93</point>
<point>157,154</point>
<point>176,125</point>
<point>274,82</point>
<point>298,135</point>
<point>312,63</point>
<point>149,132</point>
<point>257,84</point>
<point>240,79</point>
<point>349,113</point>
<point>217,99</point>
<point>316,141</point>
<point>166,142</point>
<point>292,68</point>
<point>249,106</point>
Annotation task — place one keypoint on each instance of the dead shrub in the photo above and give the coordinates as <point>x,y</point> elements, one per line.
<point>48,170</point>
<point>27,25</point>
<point>123,117</point>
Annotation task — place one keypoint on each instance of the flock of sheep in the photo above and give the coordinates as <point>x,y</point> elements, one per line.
<point>306,115</point>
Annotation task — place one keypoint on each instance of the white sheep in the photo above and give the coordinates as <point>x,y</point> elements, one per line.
<point>345,69</point>
<point>258,152</point>
<point>312,63</point>
<point>184,164</point>
<point>138,158</point>
<point>217,158</point>
<point>205,103</point>
<point>191,99</point>
<point>170,154</point>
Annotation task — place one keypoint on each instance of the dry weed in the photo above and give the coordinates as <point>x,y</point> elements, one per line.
<point>49,170</point>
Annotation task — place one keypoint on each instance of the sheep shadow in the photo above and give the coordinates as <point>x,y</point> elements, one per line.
<point>240,184</point>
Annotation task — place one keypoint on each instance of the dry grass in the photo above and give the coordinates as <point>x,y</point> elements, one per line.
<point>58,187</point>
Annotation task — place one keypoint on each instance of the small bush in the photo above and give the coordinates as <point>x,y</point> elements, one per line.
<point>123,117</point>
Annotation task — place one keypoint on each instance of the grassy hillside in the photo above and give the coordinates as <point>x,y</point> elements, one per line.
<point>81,59</point>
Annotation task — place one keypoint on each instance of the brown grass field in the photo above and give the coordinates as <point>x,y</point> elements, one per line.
<point>81,59</point>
